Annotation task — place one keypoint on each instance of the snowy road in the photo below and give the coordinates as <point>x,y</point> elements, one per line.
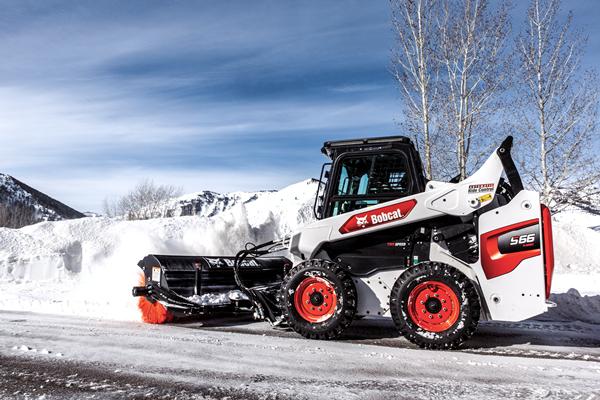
<point>68,357</point>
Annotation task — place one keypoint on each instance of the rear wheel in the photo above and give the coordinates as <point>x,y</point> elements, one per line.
<point>435,306</point>
<point>318,299</point>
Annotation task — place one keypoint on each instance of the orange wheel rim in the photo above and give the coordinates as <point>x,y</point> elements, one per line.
<point>315,299</point>
<point>433,306</point>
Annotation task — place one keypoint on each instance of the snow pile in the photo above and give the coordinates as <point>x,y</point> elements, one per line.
<point>88,266</point>
<point>577,252</point>
<point>218,298</point>
<point>572,306</point>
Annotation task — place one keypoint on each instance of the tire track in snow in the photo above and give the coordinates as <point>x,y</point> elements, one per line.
<point>492,338</point>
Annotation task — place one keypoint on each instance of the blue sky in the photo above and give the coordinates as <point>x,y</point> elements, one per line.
<point>98,95</point>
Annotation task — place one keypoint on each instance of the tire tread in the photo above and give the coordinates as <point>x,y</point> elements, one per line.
<point>443,340</point>
<point>342,321</point>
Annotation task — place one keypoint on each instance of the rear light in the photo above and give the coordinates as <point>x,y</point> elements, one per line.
<point>548,248</point>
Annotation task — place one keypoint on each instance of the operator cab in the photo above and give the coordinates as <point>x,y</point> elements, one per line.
<point>365,172</point>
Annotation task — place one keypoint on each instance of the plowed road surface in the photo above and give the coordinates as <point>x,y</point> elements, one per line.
<point>56,357</point>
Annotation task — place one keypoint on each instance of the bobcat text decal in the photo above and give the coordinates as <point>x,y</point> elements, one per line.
<point>378,216</point>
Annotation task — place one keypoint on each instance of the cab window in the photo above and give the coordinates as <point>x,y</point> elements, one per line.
<point>370,179</point>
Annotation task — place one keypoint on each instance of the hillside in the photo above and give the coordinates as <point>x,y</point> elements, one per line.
<point>207,203</point>
<point>24,204</point>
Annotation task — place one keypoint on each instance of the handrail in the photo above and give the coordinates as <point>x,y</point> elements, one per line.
<point>509,165</point>
<point>315,206</point>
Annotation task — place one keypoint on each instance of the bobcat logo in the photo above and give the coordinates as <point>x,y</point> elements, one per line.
<point>361,221</point>
<point>378,216</point>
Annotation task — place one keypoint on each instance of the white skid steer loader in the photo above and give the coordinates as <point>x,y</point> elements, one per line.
<point>436,257</point>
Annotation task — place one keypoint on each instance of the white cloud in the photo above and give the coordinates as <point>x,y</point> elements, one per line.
<point>67,108</point>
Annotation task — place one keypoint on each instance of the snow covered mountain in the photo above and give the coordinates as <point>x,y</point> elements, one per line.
<point>16,195</point>
<point>207,203</point>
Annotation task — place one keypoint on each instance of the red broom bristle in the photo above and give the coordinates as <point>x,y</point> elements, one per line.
<point>153,313</point>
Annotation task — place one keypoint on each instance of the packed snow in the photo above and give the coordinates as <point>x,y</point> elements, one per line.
<point>87,266</point>
<point>577,252</point>
<point>211,359</point>
<point>218,298</point>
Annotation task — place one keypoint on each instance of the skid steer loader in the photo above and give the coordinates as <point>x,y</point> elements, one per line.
<point>436,257</point>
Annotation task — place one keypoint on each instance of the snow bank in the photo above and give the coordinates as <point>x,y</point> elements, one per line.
<point>88,266</point>
<point>577,252</point>
<point>572,306</point>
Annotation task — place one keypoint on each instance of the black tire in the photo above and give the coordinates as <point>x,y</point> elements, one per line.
<point>421,329</point>
<point>345,292</point>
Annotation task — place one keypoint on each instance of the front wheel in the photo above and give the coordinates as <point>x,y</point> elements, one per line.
<point>435,306</point>
<point>318,299</point>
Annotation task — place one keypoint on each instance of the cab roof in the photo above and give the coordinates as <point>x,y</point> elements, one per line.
<point>335,147</point>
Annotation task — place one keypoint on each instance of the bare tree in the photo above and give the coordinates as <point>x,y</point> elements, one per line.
<point>145,201</point>
<point>559,109</point>
<point>472,51</point>
<point>414,67</point>
<point>17,216</point>
<point>110,207</point>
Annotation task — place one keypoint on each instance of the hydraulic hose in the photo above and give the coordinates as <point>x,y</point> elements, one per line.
<point>265,308</point>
